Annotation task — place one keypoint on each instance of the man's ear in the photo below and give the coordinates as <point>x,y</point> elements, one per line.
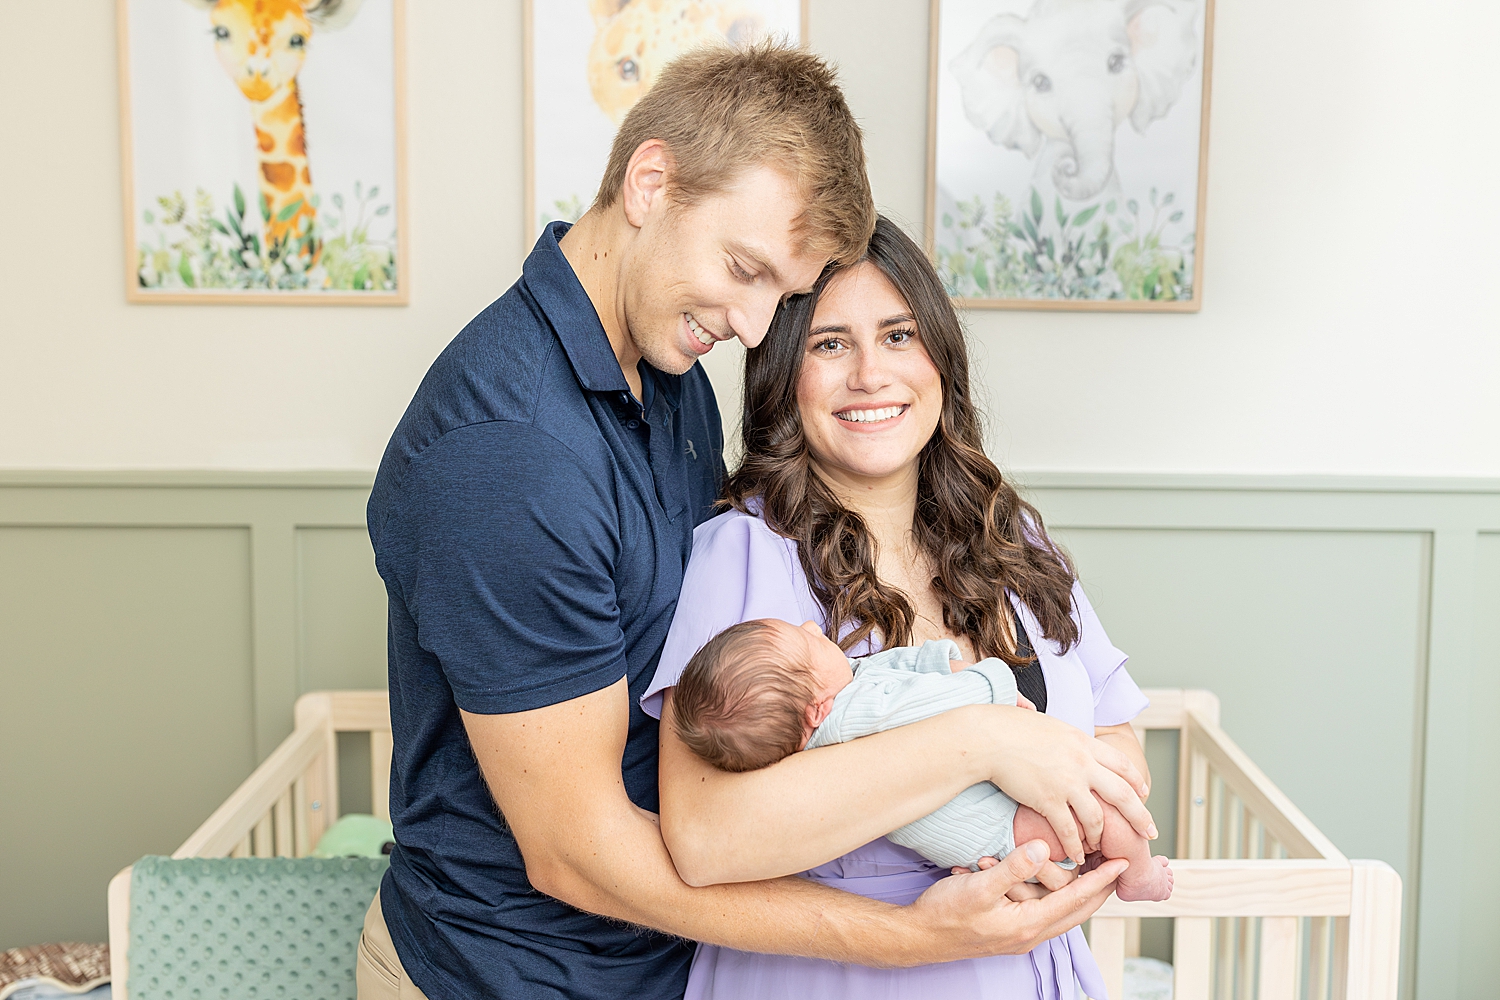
<point>645,186</point>
<point>818,711</point>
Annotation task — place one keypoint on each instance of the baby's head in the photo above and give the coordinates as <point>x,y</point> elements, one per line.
<point>756,691</point>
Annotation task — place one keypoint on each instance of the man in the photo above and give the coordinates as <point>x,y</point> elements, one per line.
<point>532,518</point>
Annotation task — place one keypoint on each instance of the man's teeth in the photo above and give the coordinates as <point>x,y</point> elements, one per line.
<point>871,416</point>
<point>704,337</point>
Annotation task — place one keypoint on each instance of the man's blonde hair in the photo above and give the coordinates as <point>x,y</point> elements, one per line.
<point>720,110</point>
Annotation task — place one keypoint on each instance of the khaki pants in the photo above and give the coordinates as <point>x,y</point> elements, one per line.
<point>378,974</point>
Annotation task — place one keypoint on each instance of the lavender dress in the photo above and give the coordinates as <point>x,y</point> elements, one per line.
<point>739,570</point>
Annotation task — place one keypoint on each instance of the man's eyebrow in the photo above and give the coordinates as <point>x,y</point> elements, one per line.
<point>759,258</point>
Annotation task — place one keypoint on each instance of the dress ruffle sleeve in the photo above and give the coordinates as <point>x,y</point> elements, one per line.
<point>1117,699</point>
<point>739,570</point>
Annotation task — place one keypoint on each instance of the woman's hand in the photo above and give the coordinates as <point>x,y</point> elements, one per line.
<point>1056,770</point>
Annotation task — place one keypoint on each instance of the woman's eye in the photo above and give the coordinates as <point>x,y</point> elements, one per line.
<point>221,33</point>
<point>901,336</point>
<point>827,346</point>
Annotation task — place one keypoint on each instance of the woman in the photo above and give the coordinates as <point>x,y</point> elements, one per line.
<point>865,503</point>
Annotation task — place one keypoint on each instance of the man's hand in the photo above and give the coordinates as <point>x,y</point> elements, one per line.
<point>976,914</point>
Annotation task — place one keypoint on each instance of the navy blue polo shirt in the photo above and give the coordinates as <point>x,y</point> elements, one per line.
<point>532,520</point>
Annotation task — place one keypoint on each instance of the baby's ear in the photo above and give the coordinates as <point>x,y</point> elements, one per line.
<point>818,711</point>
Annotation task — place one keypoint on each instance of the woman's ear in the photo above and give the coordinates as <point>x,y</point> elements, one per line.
<point>645,184</point>
<point>1164,50</point>
<point>989,79</point>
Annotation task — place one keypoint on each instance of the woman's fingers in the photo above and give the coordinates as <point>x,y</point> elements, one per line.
<point>1110,787</point>
<point>1115,759</point>
<point>1061,819</point>
<point>1090,821</point>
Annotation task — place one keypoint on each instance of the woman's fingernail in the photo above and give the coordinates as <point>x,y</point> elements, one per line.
<point>1151,833</point>
<point>1037,851</point>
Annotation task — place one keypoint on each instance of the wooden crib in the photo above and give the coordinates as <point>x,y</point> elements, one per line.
<point>1265,906</point>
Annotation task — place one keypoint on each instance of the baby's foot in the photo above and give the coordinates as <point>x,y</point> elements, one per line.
<point>1153,884</point>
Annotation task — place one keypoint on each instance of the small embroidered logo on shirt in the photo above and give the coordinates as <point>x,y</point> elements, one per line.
<point>690,450</point>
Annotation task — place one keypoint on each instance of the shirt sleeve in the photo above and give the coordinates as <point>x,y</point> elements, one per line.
<point>1117,699</point>
<point>739,570</point>
<point>509,576</point>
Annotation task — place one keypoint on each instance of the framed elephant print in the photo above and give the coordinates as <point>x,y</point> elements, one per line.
<point>1067,152</point>
<point>263,151</point>
<point>588,61</point>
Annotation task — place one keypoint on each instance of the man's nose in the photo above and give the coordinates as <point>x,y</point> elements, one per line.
<point>755,317</point>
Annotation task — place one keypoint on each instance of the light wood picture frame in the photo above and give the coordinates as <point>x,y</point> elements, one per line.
<point>1067,152</point>
<point>262,178</point>
<point>586,62</point>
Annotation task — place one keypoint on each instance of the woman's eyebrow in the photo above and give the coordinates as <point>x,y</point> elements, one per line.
<point>844,328</point>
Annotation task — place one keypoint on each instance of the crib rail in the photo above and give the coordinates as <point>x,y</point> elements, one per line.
<point>291,799</point>
<point>1265,907</point>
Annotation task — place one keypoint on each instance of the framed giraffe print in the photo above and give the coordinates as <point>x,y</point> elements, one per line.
<point>263,151</point>
<point>588,61</point>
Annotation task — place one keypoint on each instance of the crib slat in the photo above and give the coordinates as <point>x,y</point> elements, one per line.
<point>285,848</point>
<point>1107,942</point>
<point>1319,952</point>
<point>301,848</point>
<point>1195,806</point>
<point>263,846</point>
<point>242,849</point>
<point>380,772</point>
<point>1132,937</point>
<point>1191,958</point>
<point>1279,945</point>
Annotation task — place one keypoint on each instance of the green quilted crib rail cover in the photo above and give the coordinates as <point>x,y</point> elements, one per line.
<point>247,928</point>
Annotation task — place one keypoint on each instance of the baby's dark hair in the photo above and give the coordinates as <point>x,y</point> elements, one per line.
<point>741,703</point>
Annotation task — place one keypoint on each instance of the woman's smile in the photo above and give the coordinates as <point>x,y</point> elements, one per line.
<point>876,418</point>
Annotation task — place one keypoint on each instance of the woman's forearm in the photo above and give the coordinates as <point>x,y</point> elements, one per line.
<point>819,804</point>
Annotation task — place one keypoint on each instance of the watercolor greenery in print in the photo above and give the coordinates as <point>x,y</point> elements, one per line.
<point>1103,251</point>
<point>569,209</point>
<point>191,245</point>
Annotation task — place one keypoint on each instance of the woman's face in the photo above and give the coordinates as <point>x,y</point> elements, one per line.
<point>869,396</point>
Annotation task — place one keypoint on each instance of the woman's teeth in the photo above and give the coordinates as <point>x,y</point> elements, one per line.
<point>704,337</point>
<point>871,416</point>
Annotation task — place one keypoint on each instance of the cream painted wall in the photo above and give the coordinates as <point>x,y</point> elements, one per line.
<point>1347,324</point>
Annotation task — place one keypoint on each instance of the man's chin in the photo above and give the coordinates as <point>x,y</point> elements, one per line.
<point>671,362</point>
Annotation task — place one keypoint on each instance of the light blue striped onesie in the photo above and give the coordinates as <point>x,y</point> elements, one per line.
<point>908,684</point>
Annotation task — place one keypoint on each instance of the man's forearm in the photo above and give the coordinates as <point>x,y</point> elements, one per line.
<point>634,880</point>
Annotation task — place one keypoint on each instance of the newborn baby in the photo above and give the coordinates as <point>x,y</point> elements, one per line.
<point>762,690</point>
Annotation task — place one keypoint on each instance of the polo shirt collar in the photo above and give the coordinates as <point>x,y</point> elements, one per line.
<point>570,312</point>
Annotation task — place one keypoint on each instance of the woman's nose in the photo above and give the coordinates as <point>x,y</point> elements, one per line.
<point>868,372</point>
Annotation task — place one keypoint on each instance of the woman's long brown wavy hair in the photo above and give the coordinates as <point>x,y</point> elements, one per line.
<point>979,535</point>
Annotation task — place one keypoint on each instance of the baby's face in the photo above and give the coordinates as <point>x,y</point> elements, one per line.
<point>831,671</point>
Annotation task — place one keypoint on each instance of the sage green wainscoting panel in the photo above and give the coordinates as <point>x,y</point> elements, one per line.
<point>1481,901</point>
<point>125,708</point>
<point>341,635</point>
<point>155,630</point>
<point>1341,620</point>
